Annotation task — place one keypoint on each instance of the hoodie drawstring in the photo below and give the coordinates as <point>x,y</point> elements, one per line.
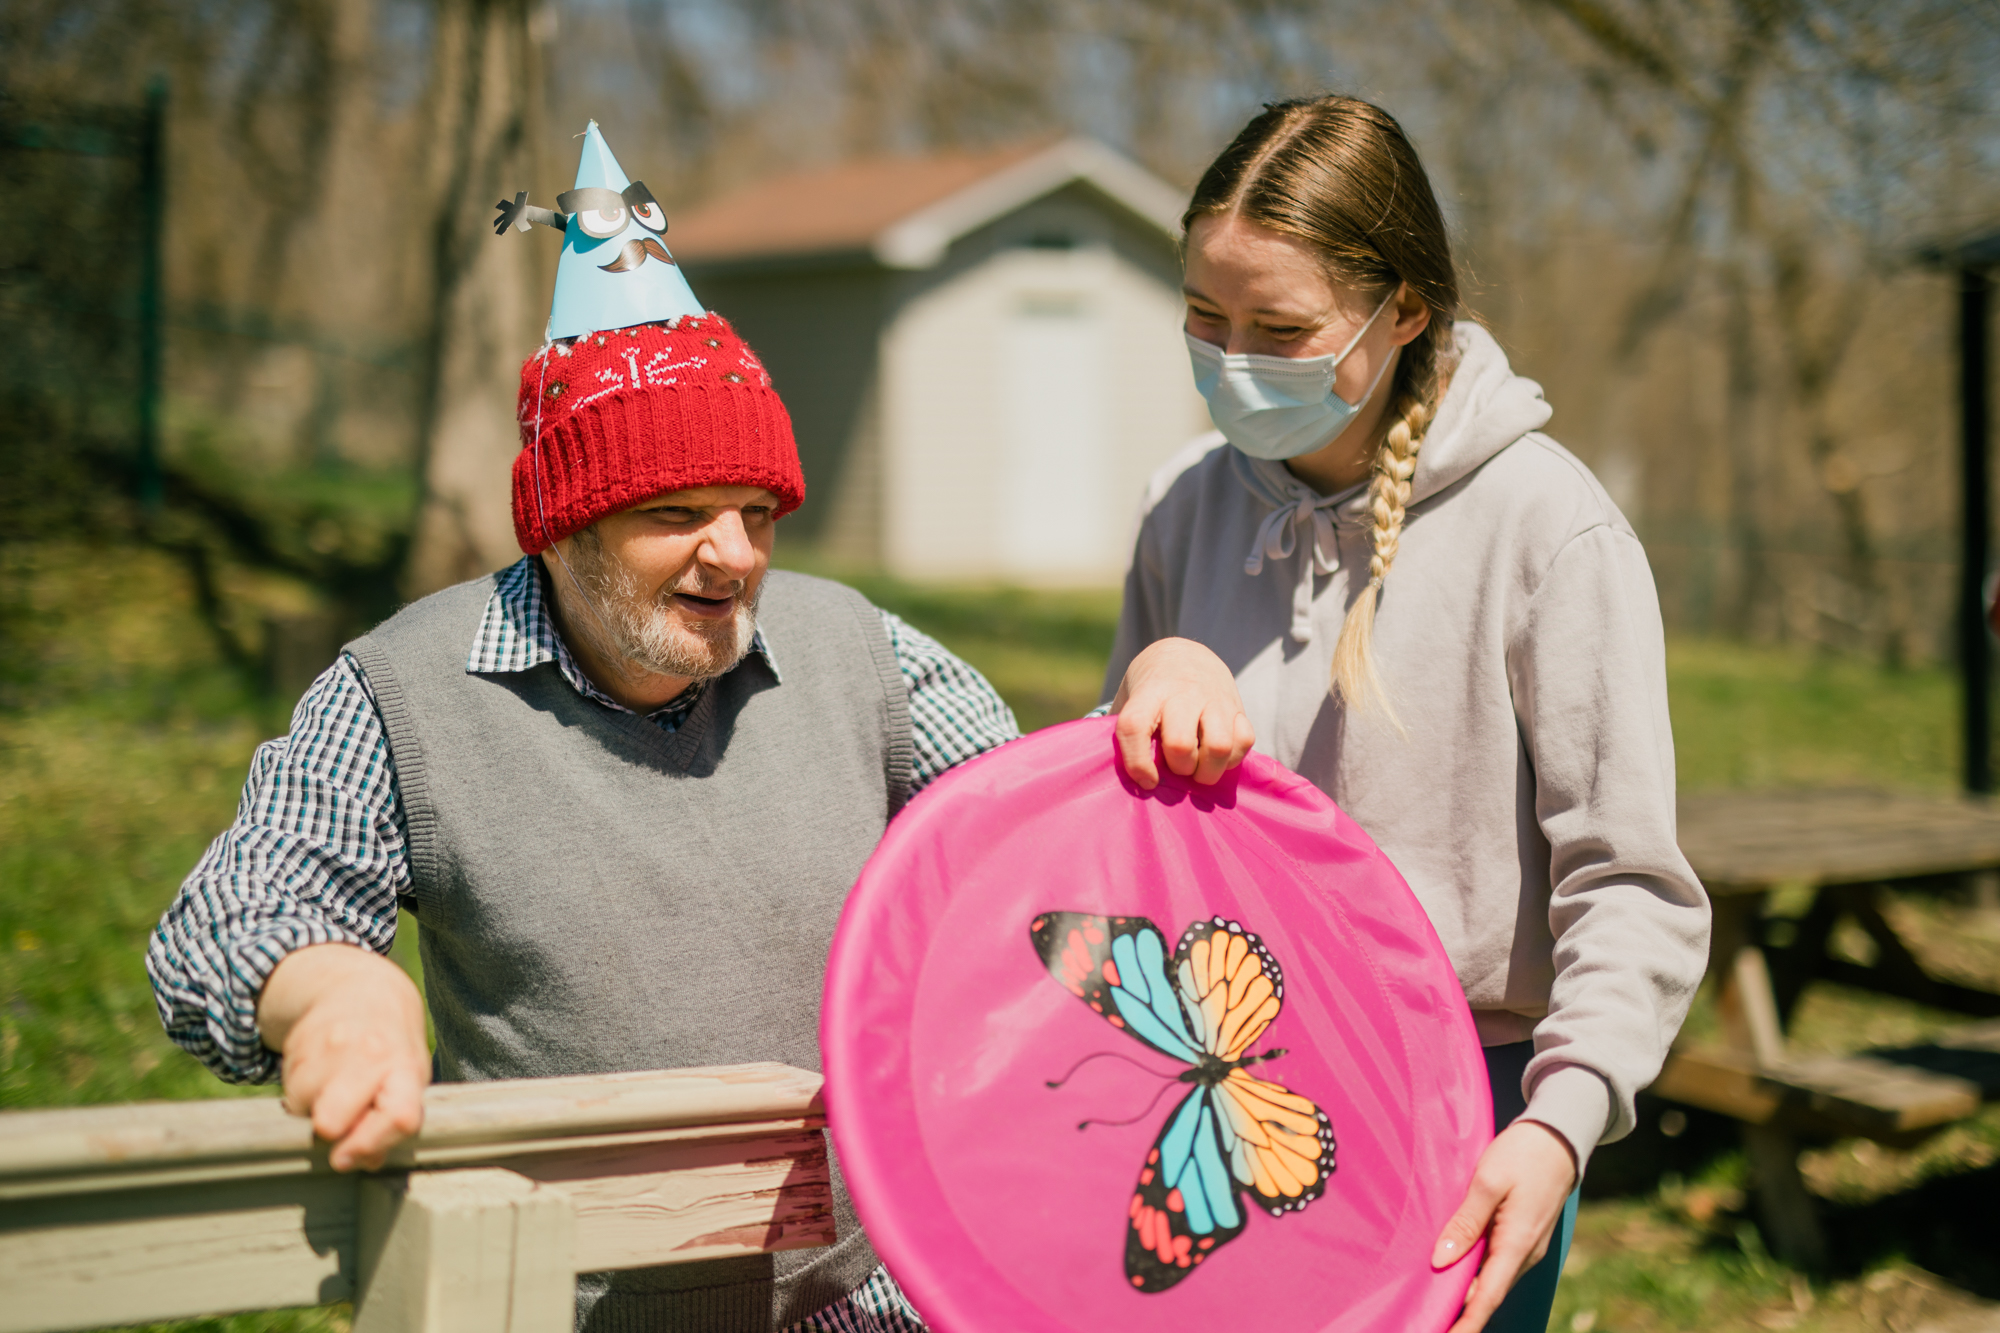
<point>1277,539</point>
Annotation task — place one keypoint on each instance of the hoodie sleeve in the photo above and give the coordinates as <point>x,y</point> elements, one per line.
<point>1587,666</point>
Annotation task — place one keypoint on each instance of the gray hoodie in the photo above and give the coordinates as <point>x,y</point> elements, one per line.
<point>1531,804</point>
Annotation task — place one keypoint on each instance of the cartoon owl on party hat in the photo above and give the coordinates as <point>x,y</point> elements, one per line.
<point>639,390</point>
<point>615,269</point>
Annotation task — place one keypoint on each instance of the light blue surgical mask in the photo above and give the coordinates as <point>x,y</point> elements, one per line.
<point>1277,407</point>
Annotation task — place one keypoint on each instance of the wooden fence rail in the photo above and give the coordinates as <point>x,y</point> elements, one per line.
<point>124,1214</point>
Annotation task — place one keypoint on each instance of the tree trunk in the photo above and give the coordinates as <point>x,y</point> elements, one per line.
<point>489,293</point>
<point>1744,441</point>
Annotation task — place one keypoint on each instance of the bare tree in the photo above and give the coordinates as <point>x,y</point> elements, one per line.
<point>1784,192</point>
<point>485,90</point>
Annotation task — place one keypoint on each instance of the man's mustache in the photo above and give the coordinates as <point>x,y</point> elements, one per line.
<point>634,254</point>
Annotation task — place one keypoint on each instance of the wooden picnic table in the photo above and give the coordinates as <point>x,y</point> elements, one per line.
<point>1839,848</point>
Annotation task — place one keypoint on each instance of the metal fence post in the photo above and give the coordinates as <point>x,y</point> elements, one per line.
<point>153,213</point>
<point>1975,641</point>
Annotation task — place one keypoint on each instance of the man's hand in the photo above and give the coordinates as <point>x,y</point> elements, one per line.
<point>1517,1195</point>
<point>350,1025</point>
<point>1186,695</point>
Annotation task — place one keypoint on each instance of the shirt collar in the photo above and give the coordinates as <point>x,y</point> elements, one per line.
<point>517,633</point>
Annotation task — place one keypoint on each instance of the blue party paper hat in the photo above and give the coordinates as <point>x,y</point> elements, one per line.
<point>615,269</point>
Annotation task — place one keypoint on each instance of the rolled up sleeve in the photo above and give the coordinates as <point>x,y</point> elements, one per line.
<point>316,855</point>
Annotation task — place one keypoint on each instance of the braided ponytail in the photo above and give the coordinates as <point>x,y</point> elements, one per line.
<point>1354,676</point>
<point>1340,174</point>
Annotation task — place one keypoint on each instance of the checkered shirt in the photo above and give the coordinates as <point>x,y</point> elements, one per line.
<point>876,1306</point>
<point>318,851</point>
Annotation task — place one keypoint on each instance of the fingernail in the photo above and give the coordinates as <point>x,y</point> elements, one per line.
<point>1446,1251</point>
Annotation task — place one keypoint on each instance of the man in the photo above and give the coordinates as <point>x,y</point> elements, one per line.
<point>624,784</point>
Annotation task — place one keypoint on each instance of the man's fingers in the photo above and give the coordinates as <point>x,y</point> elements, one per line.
<point>396,1113</point>
<point>302,1083</point>
<point>1135,744</point>
<point>401,1099</point>
<point>343,1101</point>
<point>368,1143</point>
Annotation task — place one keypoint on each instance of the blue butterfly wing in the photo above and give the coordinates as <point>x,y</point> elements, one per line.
<point>1119,966</point>
<point>1185,1206</point>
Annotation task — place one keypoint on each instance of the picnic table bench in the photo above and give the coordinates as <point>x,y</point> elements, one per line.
<point>480,1224</point>
<point>1841,848</point>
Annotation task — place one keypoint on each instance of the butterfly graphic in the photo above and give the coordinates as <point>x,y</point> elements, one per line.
<point>1233,1132</point>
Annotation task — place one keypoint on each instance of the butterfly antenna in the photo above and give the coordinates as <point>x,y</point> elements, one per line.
<point>1104,1055</point>
<point>1130,1120</point>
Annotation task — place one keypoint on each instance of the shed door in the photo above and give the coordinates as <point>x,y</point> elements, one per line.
<point>1058,520</point>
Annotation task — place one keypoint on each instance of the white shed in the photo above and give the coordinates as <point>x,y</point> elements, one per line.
<point>981,351</point>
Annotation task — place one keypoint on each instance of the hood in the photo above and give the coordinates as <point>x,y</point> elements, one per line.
<point>1486,408</point>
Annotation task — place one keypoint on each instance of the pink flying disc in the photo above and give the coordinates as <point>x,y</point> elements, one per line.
<point>1102,1060</point>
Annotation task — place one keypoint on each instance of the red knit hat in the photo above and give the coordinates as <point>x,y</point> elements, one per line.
<point>628,414</point>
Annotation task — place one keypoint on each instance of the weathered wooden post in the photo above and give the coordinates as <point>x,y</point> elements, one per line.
<point>474,1251</point>
<point>128,1214</point>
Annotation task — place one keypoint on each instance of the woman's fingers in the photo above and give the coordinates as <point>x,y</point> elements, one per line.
<point>1180,734</point>
<point>1135,743</point>
<point>1243,739</point>
<point>1195,740</point>
<point>1467,1225</point>
<point>1506,1259</point>
<point>1184,696</point>
<point>1516,1199</point>
<point>1218,743</point>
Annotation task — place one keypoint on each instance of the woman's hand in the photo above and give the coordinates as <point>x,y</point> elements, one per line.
<point>1516,1198</point>
<point>1183,693</point>
<point>350,1025</point>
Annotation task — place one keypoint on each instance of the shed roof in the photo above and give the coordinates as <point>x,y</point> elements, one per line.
<point>906,211</point>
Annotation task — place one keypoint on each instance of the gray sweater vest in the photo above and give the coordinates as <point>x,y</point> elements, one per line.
<point>596,895</point>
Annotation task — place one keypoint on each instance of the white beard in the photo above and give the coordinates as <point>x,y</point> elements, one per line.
<point>645,633</point>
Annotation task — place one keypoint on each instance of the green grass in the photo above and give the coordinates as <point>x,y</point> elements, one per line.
<point>119,763</point>
<point>1769,717</point>
<point>1044,651</point>
<point>124,736</point>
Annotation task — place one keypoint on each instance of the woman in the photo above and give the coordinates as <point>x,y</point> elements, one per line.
<point>1437,615</point>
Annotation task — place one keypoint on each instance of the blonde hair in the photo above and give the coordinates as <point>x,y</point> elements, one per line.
<point>1354,674</point>
<point>1340,174</point>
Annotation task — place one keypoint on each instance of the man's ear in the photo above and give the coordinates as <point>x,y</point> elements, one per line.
<point>553,565</point>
